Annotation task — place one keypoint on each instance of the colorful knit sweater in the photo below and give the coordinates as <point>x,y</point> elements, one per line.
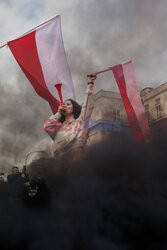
<point>71,134</point>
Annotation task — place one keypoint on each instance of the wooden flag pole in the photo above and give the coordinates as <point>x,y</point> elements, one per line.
<point>3,45</point>
<point>99,72</point>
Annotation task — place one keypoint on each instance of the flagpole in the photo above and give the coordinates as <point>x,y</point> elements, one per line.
<point>3,45</point>
<point>102,71</point>
<point>31,30</point>
<point>38,26</point>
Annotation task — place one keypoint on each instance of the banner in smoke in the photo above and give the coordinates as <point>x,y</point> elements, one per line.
<point>125,79</point>
<point>41,55</point>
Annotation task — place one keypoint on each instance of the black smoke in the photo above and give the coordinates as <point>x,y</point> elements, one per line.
<point>115,198</point>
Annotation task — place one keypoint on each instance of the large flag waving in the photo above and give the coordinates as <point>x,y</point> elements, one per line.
<point>42,58</point>
<point>125,79</point>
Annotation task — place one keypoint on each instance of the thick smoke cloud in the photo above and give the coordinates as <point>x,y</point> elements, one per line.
<point>115,199</point>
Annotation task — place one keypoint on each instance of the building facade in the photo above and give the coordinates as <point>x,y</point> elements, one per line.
<point>109,116</point>
<point>155,104</point>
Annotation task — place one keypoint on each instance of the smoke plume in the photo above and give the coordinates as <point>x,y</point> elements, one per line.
<point>115,198</point>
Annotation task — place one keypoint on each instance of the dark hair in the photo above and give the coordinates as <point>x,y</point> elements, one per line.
<point>15,167</point>
<point>76,110</point>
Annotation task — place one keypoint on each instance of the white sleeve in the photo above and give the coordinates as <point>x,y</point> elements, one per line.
<point>88,104</point>
<point>52,125</point>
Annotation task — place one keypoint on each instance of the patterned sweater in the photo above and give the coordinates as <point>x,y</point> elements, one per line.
<point>70,134</point>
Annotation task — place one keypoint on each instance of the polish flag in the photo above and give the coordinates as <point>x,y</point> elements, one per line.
<point>41,55</point>
<point>124,76</point>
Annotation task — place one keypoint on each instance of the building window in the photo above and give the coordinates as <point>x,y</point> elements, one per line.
<point>157,101</point>
<point>116,115</point>
<point>147,111</point>
<point>158,107</point>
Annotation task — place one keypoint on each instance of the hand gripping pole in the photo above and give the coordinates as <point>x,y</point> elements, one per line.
<point>99,72</point>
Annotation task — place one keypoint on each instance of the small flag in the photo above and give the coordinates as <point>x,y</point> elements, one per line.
<point>125,79</point>
<point>41,55</point>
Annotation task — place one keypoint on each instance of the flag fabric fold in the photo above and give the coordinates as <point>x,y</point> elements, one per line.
<point>41,56</point>
<point>124,76</point>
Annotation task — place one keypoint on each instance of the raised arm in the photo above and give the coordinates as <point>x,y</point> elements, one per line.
<point>88,104</point>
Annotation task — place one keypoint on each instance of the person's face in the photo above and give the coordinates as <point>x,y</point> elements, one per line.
<point>69,107</point>
<point>1,179</point>
<point>15,170</point>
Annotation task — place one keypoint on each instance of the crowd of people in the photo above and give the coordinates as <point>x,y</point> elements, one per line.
<point>22,187</point>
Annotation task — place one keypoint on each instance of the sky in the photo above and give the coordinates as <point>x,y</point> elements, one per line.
<point>96,34</point>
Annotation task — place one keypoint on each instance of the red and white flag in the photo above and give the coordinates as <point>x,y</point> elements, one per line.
<point>125,79</point>
<point>42,58</point>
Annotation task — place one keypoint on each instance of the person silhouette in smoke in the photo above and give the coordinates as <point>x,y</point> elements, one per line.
<point>16,182</point>
<point>1,177</point>
<point>69,126</point>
